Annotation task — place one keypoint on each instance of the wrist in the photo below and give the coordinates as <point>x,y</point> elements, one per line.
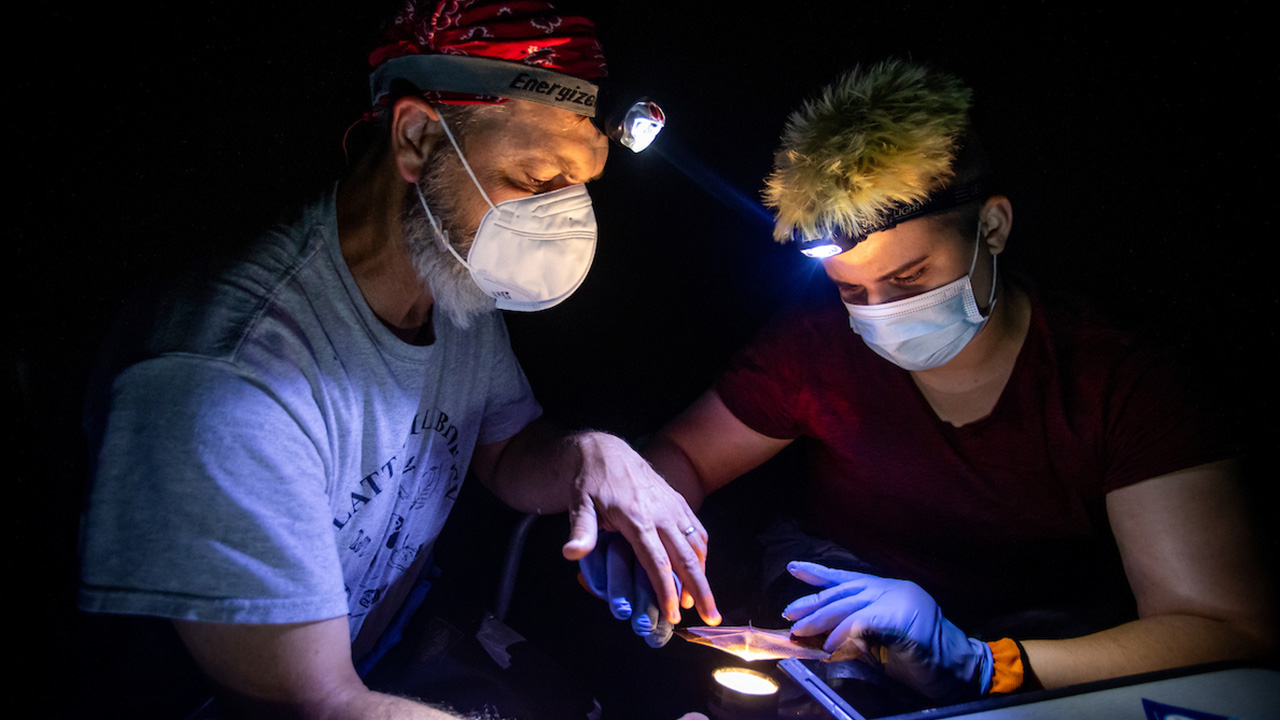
<point>1007,667</point>
<point>591,448</point>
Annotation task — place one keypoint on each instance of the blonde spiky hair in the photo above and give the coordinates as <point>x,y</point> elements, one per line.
<point>872,141</point>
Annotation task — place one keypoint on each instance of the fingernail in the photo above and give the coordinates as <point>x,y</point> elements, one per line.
<point>621,609</point>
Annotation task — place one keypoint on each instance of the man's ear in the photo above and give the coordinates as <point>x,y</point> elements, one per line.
<point>415,130</point>
<point>996,221</point>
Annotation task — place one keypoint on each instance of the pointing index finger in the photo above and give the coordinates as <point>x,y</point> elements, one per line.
<point>688,565</point>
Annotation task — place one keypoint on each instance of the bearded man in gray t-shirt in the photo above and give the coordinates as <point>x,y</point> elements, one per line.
<point>274,466</point>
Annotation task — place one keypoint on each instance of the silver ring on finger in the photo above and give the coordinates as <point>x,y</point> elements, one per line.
<point>690,530</point>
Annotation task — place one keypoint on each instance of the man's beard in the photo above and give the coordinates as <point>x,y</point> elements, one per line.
<point>449,281</point>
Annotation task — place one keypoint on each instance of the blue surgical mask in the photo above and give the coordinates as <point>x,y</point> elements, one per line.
<point>927,330</point>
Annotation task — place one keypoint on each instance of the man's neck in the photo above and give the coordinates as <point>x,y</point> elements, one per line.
<point>966,388</point>
<point>370,207</point>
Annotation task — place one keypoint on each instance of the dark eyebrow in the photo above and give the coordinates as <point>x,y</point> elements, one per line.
<point>902,268</point>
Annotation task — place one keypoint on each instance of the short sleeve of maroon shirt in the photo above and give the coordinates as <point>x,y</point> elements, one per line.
<point>1002,513</point>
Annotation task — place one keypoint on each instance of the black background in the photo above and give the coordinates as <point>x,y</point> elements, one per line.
<point>1138,149</point>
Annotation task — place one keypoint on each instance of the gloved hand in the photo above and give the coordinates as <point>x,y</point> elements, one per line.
<point>611,573</point>
<point>921,648</point>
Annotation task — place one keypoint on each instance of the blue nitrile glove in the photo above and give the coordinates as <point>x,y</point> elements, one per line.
<point>611,573</point>
<point>920,647</point>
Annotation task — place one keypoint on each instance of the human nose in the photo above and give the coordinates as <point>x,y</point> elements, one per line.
<point>875,297</point>
<point>880,296</point>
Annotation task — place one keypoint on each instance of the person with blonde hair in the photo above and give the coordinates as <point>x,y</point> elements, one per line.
<point>1002,491</point>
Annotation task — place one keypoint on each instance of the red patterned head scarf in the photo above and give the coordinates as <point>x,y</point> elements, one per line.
<point>517,31</point>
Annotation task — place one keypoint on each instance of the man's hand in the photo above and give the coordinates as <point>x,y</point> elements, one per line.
<point>616,490</point>
<point>921,647</point>
<point>610,572</point>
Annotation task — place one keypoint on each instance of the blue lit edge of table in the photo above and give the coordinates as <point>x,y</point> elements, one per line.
<point>1248,692</point>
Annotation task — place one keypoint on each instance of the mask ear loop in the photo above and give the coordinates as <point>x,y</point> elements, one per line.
<point>995,269</point>
<point>442,237</point>
<point>466,165</point>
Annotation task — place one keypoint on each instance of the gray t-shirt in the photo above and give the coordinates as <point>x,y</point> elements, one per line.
<point>278,455</point>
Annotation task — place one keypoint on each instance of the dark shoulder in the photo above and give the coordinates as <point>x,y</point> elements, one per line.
<point>1091,351</point>
<point>806,322</point>
<point>207,307</point>
<point>1077,327</point>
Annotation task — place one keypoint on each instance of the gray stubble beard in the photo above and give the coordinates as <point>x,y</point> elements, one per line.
<point>450,283</point>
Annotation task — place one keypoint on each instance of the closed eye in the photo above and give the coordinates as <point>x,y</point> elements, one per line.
<point>537,185</point>
<point>853,294</point>
<point>908,279</point>
<point>530,184</point>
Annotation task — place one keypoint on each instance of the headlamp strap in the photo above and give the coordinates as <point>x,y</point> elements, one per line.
<point>938,202</point>
<point>487,76</point>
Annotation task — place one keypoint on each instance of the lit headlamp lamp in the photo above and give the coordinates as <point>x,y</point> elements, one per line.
<point>633,125</point>
<point>838,240</point>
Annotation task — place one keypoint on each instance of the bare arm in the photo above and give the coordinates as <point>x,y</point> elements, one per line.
<point>1193,565</point>
<point>706,447</point>
<point>296,670</point>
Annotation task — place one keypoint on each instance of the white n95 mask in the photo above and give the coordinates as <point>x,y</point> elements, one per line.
<point>529,253</point>
<point>927,330</point>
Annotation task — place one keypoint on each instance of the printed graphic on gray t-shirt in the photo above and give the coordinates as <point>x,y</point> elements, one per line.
<point>277,455</point>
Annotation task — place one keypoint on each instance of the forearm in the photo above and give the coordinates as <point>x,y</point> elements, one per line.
<point>291,670</point>
<point>671,462</point>
<point>535,471</point>
<point>706,447</point>
<point>1192,562</point>
<point>352,704</point>
<point>1144,645</point>
<point>377,706</point>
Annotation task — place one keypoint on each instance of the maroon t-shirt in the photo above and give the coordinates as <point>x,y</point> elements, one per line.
<point>997,516</point>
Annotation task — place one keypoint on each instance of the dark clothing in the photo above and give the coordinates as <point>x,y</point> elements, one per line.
<point>1000,516</point>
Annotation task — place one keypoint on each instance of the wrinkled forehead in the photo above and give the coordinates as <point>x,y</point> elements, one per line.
<point>530,132</point>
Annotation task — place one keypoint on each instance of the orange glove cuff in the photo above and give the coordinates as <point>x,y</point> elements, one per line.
<point>1007,670</point>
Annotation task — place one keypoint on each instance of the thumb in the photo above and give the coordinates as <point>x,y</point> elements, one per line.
<point>583,528</point>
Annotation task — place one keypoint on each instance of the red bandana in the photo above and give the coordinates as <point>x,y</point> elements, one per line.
<point>521,31</point>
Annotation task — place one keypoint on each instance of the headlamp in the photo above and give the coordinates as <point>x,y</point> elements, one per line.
<point>826,246</point>
<point>839,240</point>
<point>633,124</point>
<point>636,126</point>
